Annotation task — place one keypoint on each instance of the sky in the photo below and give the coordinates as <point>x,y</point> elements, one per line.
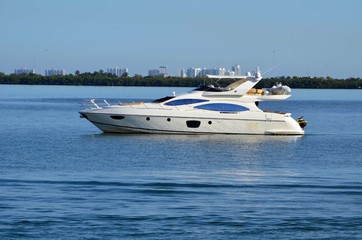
<point>301,37</point>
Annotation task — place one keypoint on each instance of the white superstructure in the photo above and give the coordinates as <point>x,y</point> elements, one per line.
<point>204,110</point>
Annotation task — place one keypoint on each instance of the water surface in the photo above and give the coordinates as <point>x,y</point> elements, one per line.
<point>61,178</point>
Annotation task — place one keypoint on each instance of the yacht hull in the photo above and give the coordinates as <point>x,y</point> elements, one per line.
<point>177,122</point>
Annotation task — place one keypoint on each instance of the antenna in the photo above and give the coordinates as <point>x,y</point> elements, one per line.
<point>273,57</point>
<point>271,69</point>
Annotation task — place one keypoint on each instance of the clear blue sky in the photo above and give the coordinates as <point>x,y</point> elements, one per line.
<point>307,37</point>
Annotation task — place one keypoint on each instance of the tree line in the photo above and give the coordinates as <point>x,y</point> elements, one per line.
<point>106,79</point>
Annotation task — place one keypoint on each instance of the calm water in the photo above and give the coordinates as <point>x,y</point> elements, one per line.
<point>61,178</point>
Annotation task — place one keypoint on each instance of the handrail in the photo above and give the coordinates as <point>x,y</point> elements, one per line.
<point>133,104</point>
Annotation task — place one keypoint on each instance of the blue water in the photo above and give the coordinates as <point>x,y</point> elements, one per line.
<point>61,178</point>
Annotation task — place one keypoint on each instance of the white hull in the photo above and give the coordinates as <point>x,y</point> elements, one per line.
<point>176,122</point>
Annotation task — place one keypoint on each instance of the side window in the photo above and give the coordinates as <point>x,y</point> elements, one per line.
<point>222,107</point>
<point>184,102</point>
<point>117,117</point>
<point>193,124</point>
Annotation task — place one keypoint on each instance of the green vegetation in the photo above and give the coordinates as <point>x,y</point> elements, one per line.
<point>104,79</point>
<point>313,82</point>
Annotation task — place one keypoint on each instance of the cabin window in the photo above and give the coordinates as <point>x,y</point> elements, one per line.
<point>222,107</point>
<point>193,124</point>
<point>209,88</point>
<point>179,102</point>
<point>117,117</point>
<point>164,99</point>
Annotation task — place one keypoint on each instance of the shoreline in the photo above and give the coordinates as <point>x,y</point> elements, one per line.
<point>98,79</point>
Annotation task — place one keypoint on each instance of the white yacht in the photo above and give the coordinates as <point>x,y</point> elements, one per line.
<point>204,110</point>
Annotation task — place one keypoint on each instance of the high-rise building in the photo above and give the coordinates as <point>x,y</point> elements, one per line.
<point>54,72</point>
<point>119,72</point>
<point>236,69</point>
<point>183,73</point>
<point>24,71</point>
<point>160,72</point>
<point>193,72</point>
<point>209,71</point>
<point>221,71</point>
<point>154,72</point>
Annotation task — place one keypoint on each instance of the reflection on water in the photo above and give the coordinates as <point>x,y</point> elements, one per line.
<point>224,138</point>
<point>221,154</point>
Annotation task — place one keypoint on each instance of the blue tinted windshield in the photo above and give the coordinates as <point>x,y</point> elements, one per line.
<point>184,102</point>
<point>222,107</point>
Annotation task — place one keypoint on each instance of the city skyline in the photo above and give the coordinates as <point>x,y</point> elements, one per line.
<point>302,38</point>
<point>235,70</point>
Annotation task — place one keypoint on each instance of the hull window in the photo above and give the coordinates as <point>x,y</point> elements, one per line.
<point>117,117</point>
<point>193,124</point>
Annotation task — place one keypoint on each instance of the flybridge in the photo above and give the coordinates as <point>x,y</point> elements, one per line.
<point>242,85</point>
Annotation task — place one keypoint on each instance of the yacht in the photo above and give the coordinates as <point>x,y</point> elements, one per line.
<point>204,110</point>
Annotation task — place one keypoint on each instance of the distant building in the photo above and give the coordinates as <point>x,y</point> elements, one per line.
<point>183,73</point>
<point>198,72</point>
<point>54,72</point>
<point>208,71</point>
<point>24,71</point>
<point>213,71</point>
<point>160,72</point>
<point>154,72</point>
<point>229,73</point>
<point>236,69</point>
<point>119,72</point>
<point>193,72</point>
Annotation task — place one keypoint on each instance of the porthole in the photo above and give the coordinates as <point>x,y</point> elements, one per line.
<point>147,118</point>
<point>168,119</point>
<point>209,122</point>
